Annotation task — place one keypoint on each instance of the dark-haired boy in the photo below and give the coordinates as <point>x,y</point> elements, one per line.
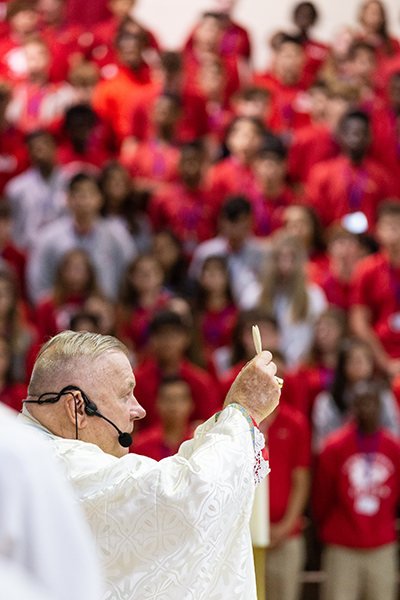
<point>169,341</point>
<point>352,182</point>
<point>108,243</point>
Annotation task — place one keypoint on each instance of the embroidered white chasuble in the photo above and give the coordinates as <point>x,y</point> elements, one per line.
<point>177,529</point>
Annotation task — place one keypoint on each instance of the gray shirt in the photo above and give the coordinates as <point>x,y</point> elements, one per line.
<point>35,202</point>
<point>109,245</point>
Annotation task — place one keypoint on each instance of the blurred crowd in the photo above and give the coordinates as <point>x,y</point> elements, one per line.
<point>174,199</point>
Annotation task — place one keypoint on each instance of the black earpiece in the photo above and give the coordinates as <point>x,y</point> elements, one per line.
<point>124,438</point>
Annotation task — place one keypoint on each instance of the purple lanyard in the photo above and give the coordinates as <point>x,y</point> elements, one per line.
<point>159,166</point>
<point>369,447</point>
<point>394,126</point>
<point>395,286</point>
<point>355,188</point>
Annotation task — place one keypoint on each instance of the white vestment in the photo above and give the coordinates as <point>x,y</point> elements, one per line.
<point>177,529</point>
<point>42,531</point>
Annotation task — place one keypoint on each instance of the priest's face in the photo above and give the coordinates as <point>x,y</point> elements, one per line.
<point>111,386</point>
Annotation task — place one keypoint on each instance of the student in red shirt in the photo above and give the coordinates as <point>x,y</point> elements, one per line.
<point>123,79</point>
<point>84,141</point>
<point>13,152</point>
<point>206,45</point>
<point>75,282</point>
<point>212,85</point>
<point>373,21</point>
<point>305,16</point>
<point>37,102</point>
<point>352,182</point>
<point>385,126</point>
<point>375,314</point>
<point>169,340</point>
<point>316,374</point>
<point>105,32</point>
<point>275,195</point>
<point>235,174</point>
<point>187,207</point>
<point>345,250</point>
<point>193,118</point>
<point>288,441</point>
<point>235,39</point>
<point>154,162</point>
<point>317,142</point>
<point>356,497</point>
<point>142,296</point>
<point>215,312</point>
<point>73,41</point>
<point>23,22</point>
<point>360,69</point>
<point>286,83</point>
<point>174,406</point>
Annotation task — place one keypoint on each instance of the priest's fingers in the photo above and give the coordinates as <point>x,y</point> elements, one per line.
<point>256,387</point>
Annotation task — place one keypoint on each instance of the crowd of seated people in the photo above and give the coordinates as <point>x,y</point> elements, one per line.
<point>176,198</point>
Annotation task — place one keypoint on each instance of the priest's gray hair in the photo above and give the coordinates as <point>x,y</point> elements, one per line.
<point>61,353</point>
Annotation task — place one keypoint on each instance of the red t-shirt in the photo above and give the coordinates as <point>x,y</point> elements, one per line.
<point>205,395</point>
<point>216,328</point>
<point>113,97</point>
<point>290,108</point>
<point>235,41</point>
<point>268,211</point>
<point>151,443</point>
<point>357,488</point>
<point>316,54</point>
<point>192,124</point>
<point>376,285</point>
<point>289,447</point>
<point>310,145</point>
<point>190,214</point>
<point>154,161</point>
<point>337,292</point>
<point>13,155</point>
<point>192,69</point>
<point>337,187</point>
<point>230,177</point>
<point>385,146</point>
<point>304,384</point>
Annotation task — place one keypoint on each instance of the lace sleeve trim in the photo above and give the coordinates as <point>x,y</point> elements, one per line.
<point>261,466</point>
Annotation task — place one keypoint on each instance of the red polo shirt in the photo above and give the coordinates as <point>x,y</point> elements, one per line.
<point>376,285</point>
<point>337,187</point>
<point>356,496</point>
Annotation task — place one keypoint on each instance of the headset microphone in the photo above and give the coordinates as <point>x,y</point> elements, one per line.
<point>124,438</point>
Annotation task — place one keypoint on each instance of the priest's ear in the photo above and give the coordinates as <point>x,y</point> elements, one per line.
<point>75,407</point>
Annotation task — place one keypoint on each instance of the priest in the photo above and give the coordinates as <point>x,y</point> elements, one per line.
<point>168,530</point>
